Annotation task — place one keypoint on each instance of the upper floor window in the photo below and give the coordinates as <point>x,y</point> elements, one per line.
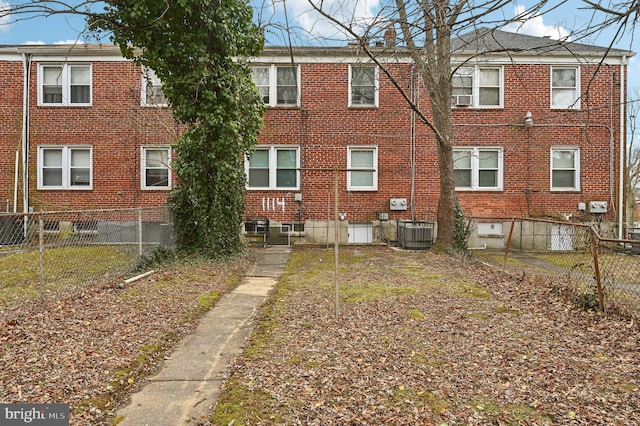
<point>479,87</point>
<point>565,84</point>
<point>565,169</point>
<point>64,84</point>
<point>278,84</point>
<point>363,85</point>
<point>362,165</point>
<point>152,94</point>
<point>478,169</point>
<point>273,167</point>
<point>64,167</point>
<point>156,167</point>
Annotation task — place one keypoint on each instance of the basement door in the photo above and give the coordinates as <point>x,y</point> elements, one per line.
<point>361,233</point>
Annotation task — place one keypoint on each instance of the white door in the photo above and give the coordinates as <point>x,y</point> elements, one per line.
<point>360,233</point>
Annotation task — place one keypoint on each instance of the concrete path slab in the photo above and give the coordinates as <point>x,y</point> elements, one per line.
<point>190,379</point>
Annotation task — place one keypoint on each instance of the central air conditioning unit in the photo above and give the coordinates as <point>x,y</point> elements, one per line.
<point>462,100</point>
<point>413,235</point>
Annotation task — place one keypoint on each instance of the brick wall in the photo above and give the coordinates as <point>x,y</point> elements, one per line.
<point>324,126</point>
<point>116,126</point>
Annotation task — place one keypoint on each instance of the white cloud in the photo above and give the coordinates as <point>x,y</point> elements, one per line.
<point>5,17</point>
<point>357,14</point>
<point>533,24</point>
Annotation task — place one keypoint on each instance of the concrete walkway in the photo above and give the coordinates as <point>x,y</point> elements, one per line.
<point>189,382</point>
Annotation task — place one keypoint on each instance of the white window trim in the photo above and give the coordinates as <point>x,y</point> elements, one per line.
<point>273,84</point>
<point>373,148</point>
<point>576,167</point>
<point>66,83</point>
<point>273,149</point>
<point>475,88</point>
<point>376,101</point>
<point>143,168</point>
<point>475,168</point>
<point>576,103</point>
<point>148,75</point>
<point>66,167</point>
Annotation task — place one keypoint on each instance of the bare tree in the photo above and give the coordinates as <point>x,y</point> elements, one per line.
<point>427,29</point>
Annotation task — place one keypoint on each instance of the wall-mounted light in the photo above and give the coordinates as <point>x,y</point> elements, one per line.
<point>528,119</point>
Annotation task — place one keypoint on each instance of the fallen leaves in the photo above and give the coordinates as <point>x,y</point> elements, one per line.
<point>92,347</point>
<point>468,345</point>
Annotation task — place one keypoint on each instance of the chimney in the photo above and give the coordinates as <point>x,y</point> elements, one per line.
<point>390,36</point>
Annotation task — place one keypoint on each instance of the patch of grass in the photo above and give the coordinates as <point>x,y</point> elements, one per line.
<point>205,302</point>
<point>505,310</point>
<point>244,405</point>
<point>415,314</point>
<point>368,292</point>
<point>507,414</point>
<point>473,290</point>
<point>64,267</point>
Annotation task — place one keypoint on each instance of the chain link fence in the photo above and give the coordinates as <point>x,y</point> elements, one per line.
<point>42,254</point>
<point>575,260</point>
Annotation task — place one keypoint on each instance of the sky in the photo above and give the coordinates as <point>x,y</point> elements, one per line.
<point>557,22</point>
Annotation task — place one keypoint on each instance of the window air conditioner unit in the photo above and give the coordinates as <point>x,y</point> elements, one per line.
<point>462,100</point>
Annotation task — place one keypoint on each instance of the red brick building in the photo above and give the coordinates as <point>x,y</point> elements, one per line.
<point>539,131</point>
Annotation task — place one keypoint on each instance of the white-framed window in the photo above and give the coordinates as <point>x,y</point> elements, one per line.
<point>64,84</point>
<point>565,169</point>
<point>565,87</point>
<point>478,169</point>
<point>65,167</point>
<point>363,85</point>
<point>279,85</point>
<point>362,168</point>
<point>152,94</point>
<point>156,167</point>
<point>273,167</point>
<point>477,87</point>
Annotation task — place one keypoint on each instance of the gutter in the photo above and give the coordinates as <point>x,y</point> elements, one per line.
<point>26,64</point>
<point>623,139</point>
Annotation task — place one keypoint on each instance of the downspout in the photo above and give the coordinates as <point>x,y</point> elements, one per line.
<point>26,64</point>
<point>622,146</point>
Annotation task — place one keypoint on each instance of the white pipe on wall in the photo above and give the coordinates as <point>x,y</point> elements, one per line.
<point>621,208</point>
<point>26,64</point>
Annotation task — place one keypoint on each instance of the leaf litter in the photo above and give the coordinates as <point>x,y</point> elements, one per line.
<point>429,340</point>
<point>92,347</point>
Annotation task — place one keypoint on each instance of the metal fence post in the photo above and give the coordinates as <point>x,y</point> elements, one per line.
<point>140,231</point>
<point>506,250</point>
<point>41,250</point>
<point>596,268</point>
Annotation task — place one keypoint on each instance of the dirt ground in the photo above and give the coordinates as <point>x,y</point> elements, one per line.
<point>426,339</point>
<point>420,338</point>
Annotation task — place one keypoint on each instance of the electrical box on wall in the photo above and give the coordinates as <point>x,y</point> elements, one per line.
<point>597,207</point>
<point>398,204</point>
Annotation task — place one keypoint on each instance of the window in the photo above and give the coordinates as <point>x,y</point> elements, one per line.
<point>565,169</point>
<point>565,82</point>
<point>64,167</point>
<point>362,164</point>
<point>278,85</point>
<point>479,87</point>
<point>156,167</point>
<point>152,94</point>
<point>478,169</point>
<point>363,85</point>
<point>64,84</point>
<point>273,168</point>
